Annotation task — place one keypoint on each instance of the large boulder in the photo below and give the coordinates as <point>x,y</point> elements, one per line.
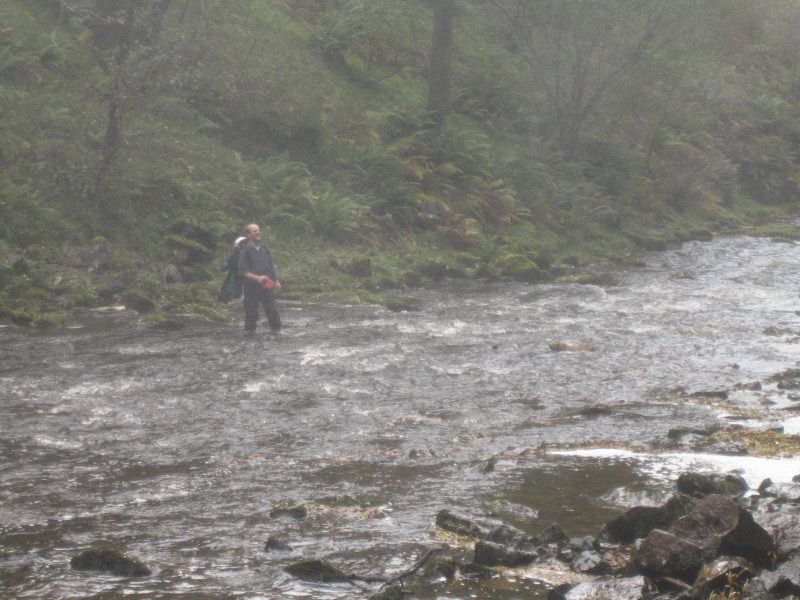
<point>109,560</point>
<point>721,526</point>
<point>640,520</point>
<point>665,554</point>
<point>784,527</point>
<point>699,485</point>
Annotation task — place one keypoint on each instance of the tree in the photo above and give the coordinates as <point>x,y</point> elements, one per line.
<point>441,57</point>
<point>578,52</point>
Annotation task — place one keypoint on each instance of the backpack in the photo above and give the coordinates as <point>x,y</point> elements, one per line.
<point>232,286</point>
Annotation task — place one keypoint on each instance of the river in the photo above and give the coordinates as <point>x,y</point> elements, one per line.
<point>176,446</point>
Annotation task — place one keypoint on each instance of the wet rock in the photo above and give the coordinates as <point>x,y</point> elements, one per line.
<point>488,465</point>
<point>316,570</point>
<point>628,588</point>
<point>699,485</point>
<point>291,508</point>
<point>450,568</point>
<point>784,527</point>
<point>783,581</point>
<point>274,544</point>
<point>717,574</point>
<point>720,526</point>
<point>710,394</point>
<point>781,492</point>
<point>786,380</point>
<point>109,560</point>
<point>511,536</point>
<point>455,524</point>
<point>554,534</point>
<point>635,523</point>
<point>491,554</point>
<point>665,554</point>
<point>511,511</point>
<point>752,386</point>
<point>592,563</point>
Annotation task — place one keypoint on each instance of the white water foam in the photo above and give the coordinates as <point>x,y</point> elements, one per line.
<point>668,466</point>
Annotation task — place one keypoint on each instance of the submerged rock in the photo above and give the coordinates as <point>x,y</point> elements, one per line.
<point>274,544</point>
<point>109,560</point>
<point>455,524</point>
<point>316,570</point>
<point>291,508</point>
<point>492,554</point>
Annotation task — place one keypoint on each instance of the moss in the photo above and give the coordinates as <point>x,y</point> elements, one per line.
<point>761,443</point>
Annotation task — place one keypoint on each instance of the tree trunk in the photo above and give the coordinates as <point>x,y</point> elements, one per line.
<point>439,93</point>
<point>112,138</point>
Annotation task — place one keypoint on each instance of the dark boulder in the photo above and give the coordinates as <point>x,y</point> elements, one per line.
<point>274,544</point>
<point>511,536</point>
<point>721,526</point>
<point>491,554</point>
<point>554,534</point>
<point>665,554</point>
<point>455,524</point>
<point>699,485</point>
<point>635,523</point>
<point>109,560</point>
<point>316,570</point>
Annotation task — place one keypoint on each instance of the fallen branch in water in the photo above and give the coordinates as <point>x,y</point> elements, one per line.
<point>413,569</point>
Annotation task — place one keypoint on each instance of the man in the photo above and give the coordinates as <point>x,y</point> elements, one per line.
<point>260,280</point>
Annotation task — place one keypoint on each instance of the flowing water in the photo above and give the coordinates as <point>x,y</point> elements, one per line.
<point>176,446</point>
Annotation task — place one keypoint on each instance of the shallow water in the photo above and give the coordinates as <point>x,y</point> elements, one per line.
<point>177,445</point>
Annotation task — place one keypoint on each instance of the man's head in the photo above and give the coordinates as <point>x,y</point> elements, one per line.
<point>253,233</point>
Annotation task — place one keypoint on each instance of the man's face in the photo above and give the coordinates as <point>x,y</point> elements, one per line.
<point>254,233</point>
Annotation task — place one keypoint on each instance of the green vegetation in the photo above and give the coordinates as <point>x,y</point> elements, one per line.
<point>140,137</point>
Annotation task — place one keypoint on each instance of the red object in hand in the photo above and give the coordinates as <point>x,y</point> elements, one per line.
<point>268,283</point>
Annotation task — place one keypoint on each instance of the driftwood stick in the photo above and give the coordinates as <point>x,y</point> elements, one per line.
<point>413,569</point>
<point>681,585</point>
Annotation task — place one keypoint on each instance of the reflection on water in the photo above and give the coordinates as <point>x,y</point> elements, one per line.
<point>177,445</point>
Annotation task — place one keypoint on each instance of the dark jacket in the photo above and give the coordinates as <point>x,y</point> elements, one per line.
<point>257,261</point>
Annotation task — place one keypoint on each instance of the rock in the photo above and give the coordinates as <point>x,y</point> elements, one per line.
<point>627,588</point>
<point>274,544</point>
<point>592,563</point>
<point>511,536</point>
<point>635,523</point>
<point>782,492</point>
<point>138,302</point>
<point>492,554</point>
<point>699,485</point>
<point>720,526</point>
<point>587,542</point>
<point>710,394</point>
<point>488,465</point>
<point>512,511</point>
<point>665,554</point>
<point>450,568</point>
<point>290,508</point>
<point>108,560</point>
<point>784,527</point>
<point>554,534</point>
<point>316,570</point>
<point>784,580</point>
<point>455,524</point>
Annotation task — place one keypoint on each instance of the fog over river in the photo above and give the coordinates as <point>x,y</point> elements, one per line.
<point>176,446</point>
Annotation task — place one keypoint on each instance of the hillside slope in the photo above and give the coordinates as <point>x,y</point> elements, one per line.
<point>136,143</point>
